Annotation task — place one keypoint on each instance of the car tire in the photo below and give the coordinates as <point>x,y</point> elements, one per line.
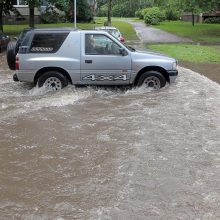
<point>53,80</point>
<point>11,54</point>
<point>152,79</point>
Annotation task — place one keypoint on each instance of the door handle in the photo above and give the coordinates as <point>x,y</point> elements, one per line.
<point>88,61</point>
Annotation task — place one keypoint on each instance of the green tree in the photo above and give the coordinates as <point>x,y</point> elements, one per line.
<point>109,16</point>
<point>83,10</point>
<point>32,4</point>
<point>198,6</point>
<point>122,7</point>
<point>5,7</point>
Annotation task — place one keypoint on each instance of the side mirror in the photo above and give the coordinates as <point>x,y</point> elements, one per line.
<point>123,52</point>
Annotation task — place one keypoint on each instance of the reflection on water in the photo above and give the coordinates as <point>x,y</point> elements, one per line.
<point>87,153</point>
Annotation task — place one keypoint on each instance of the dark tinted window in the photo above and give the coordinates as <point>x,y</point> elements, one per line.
<point>47,42</point>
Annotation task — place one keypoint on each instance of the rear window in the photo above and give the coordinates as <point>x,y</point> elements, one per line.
<point>47,42</point>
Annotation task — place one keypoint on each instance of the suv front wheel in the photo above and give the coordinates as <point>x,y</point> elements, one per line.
<point>152,79</point>
<point>53,80</point>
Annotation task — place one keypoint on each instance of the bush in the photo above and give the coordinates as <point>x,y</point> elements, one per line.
<point>138,14</point>
<point>153,16</point>
<point>214,20</point>
<point>51,16</point>
<point>172,15</point>
<point>144,11</point>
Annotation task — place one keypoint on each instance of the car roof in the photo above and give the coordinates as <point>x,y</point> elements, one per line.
<point>107,28</point>
<point>52,29</point>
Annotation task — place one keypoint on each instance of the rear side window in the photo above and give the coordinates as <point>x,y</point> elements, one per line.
<point>47,42</point>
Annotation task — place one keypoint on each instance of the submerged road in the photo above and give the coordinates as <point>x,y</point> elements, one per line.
<point>84,153</point>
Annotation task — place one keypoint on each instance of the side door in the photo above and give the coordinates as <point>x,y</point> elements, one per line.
<point>102,62</point>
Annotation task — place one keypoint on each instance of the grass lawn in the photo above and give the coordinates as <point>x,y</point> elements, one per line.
<point>189,52</point>
<point>199,33</point>
<point>126,29</point>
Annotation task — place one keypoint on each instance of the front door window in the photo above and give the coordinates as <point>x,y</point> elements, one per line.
<point>99,44</point>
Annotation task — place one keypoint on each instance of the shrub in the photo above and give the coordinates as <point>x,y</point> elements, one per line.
<point>52,16</point>
<point>144,11</point>
<point>214,20</point>
<point>138,14</point>
<point>172,14</point>
<point>153,16</point>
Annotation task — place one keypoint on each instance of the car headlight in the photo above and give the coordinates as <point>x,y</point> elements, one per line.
<point>175,65</point>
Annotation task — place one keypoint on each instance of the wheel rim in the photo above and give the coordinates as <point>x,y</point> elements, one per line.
<point>152,82</point>
<point>53,83</point>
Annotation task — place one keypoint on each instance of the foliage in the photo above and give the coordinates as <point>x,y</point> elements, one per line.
<point>52,16</point>
<point>60,4</point>
<point>122,10</point>
<point>126,8</point>
<point>214,20</point>
<point>138,14</point>
<point>198,6</point>
<point>154,16</point>
<point>34,3</point>
<point>84,12</point>
<point>102,11</point>
<point>172,14</point>
<point>5,7</point>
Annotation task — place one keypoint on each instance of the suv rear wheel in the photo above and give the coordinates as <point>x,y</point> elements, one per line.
<point>152,79</point>
<point>53,80</point>
<point>11,54</point>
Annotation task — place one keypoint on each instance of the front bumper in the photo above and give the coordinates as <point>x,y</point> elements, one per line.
<point>172,75</point>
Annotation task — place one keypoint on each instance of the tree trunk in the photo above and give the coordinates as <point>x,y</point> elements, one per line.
<point>109,13</point>
<point>31,15</point>
<point>1,16</point>
<point>193,19</point>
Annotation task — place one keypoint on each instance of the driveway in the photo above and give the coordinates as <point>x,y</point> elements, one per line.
<point>149,34</point>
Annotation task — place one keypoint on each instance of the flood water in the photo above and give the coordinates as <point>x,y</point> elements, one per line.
<point>87,153</point>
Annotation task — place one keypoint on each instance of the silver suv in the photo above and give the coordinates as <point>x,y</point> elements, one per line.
<point>56,57</point>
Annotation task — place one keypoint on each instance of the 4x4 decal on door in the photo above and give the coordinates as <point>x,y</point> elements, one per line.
<point>93,77</point>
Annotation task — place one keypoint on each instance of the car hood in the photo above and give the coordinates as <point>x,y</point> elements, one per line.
<point>149,54</point>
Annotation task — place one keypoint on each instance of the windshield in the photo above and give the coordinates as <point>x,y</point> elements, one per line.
<point>114,33</point>
<point>129,48</point>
